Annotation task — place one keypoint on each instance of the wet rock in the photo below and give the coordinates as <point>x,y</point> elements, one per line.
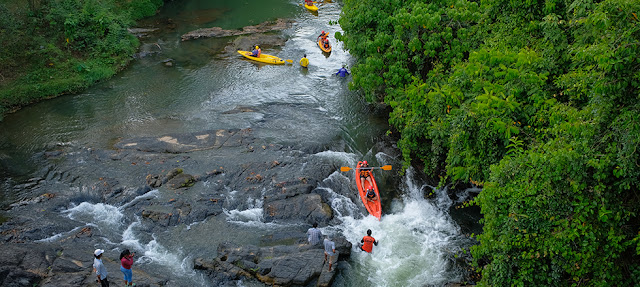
<point>282,265</point>
<point>306,207</point>
<point>279,24</point>
<point>179,143</point>
<point>181,180</point>
<point>142,32</point>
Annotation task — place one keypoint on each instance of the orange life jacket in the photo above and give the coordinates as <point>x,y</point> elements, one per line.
<point>365,173</point>
<point>368,243</point>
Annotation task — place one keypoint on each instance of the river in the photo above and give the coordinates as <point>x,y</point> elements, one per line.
<point>287,105</point>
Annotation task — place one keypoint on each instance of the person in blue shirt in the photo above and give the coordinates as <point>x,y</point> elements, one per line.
<point>342,72</point>
<point>256,52</point>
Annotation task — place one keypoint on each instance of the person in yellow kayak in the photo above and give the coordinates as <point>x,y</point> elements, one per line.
<point>365,174</point>
<point>325,41</point>
<point>256,52</point>
<point>304,62</point>
<point>308,2</point>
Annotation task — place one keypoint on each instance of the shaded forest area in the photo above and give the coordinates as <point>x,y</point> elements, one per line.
<point>51,47</point>
<point>538,101</point>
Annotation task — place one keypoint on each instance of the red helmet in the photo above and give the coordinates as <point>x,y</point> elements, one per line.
<point>364,162</point>
<point>322,32</point>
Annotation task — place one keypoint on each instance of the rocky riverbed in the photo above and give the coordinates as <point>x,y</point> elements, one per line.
<point>46,247</point>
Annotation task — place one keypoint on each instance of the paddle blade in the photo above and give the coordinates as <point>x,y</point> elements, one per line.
<point>345,168</point>
<point>386,167</point>
<point>289,61</point>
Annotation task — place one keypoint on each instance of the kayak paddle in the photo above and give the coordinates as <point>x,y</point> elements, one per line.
<point>384,167</point>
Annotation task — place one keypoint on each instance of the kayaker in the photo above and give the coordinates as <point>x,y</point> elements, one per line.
<point>325,41</point>
<point>304,62</point>
<point>256,52</point>
<point>365,174</point>
<point>308,2</point>
<point>343,73</point>
<point>371,195</point>
<point>368,242</point>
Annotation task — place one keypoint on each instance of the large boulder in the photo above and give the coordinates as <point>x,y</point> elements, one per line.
<point>282,265</point>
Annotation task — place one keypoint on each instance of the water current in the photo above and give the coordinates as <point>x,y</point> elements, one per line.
<point>289,105</point>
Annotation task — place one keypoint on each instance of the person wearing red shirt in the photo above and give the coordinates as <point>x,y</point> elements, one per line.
<point>126,258</point>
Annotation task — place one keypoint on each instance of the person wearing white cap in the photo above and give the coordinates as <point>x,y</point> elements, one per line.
<point>98,267</point>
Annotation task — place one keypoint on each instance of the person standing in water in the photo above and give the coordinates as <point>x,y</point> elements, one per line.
<point>99,269</point>
<point>304,62</point>
<point>126,259</point>
<point>368,242</point>
<point>343,72</point>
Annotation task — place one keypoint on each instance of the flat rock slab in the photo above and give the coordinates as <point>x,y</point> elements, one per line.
<point>179,143</point>
<point>277,25</point>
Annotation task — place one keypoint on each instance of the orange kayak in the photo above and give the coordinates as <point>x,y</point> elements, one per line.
<point>373,207</point>
<point>327,50</point>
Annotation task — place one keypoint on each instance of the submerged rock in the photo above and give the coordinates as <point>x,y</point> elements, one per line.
<point>279,24</point>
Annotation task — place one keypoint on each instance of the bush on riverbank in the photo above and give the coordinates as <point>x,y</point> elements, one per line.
<point>537,99</point>
<point>51,47</point>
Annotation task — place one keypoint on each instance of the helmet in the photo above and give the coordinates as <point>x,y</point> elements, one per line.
<point>257,47</point>
<point>305,55</point>
<point>364,162</point>
<point>322,32</point>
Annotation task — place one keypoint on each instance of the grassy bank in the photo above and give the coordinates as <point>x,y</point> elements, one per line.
<point>53,47</point>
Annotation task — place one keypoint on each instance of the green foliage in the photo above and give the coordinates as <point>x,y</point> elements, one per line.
<point>538,100</point>
<point>59,46</point>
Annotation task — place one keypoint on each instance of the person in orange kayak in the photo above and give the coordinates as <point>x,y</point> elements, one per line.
<point>256,52</point>
<point>371,195</point>
<point>368,242</point>
<point>365,174</point>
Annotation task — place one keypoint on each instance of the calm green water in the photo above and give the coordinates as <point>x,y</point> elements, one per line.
<point>290,106</point>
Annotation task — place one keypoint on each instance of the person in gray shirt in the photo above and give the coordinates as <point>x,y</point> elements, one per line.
<point>314,235</point>
<point>329,250</point>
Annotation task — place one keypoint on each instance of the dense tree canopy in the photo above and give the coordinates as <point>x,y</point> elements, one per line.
<point>536,99</point>
<point>48,47</point>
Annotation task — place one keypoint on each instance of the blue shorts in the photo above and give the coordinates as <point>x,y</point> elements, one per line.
<point>128,275</point>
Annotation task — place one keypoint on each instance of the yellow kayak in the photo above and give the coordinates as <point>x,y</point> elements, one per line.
<point>313,8</point>
<point>263,58</point>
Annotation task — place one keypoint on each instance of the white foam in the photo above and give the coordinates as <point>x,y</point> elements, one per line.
<point>99,213</point>
<point>414,238</point>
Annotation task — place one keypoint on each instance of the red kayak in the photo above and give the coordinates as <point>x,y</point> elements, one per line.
<point>373,207</point>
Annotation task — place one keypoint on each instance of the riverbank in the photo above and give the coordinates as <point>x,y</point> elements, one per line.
<point>50,48</point>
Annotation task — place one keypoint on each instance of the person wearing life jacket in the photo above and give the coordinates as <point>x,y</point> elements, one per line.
<point>368,242</point>
<point>325,41</point>
<point>371,195</point>
<point>304,62</point>
<point>365,174</point>
<point>256,52</point>
<point>308,2</point>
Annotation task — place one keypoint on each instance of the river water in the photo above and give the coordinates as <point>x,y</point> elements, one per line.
<point>289,106</point>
